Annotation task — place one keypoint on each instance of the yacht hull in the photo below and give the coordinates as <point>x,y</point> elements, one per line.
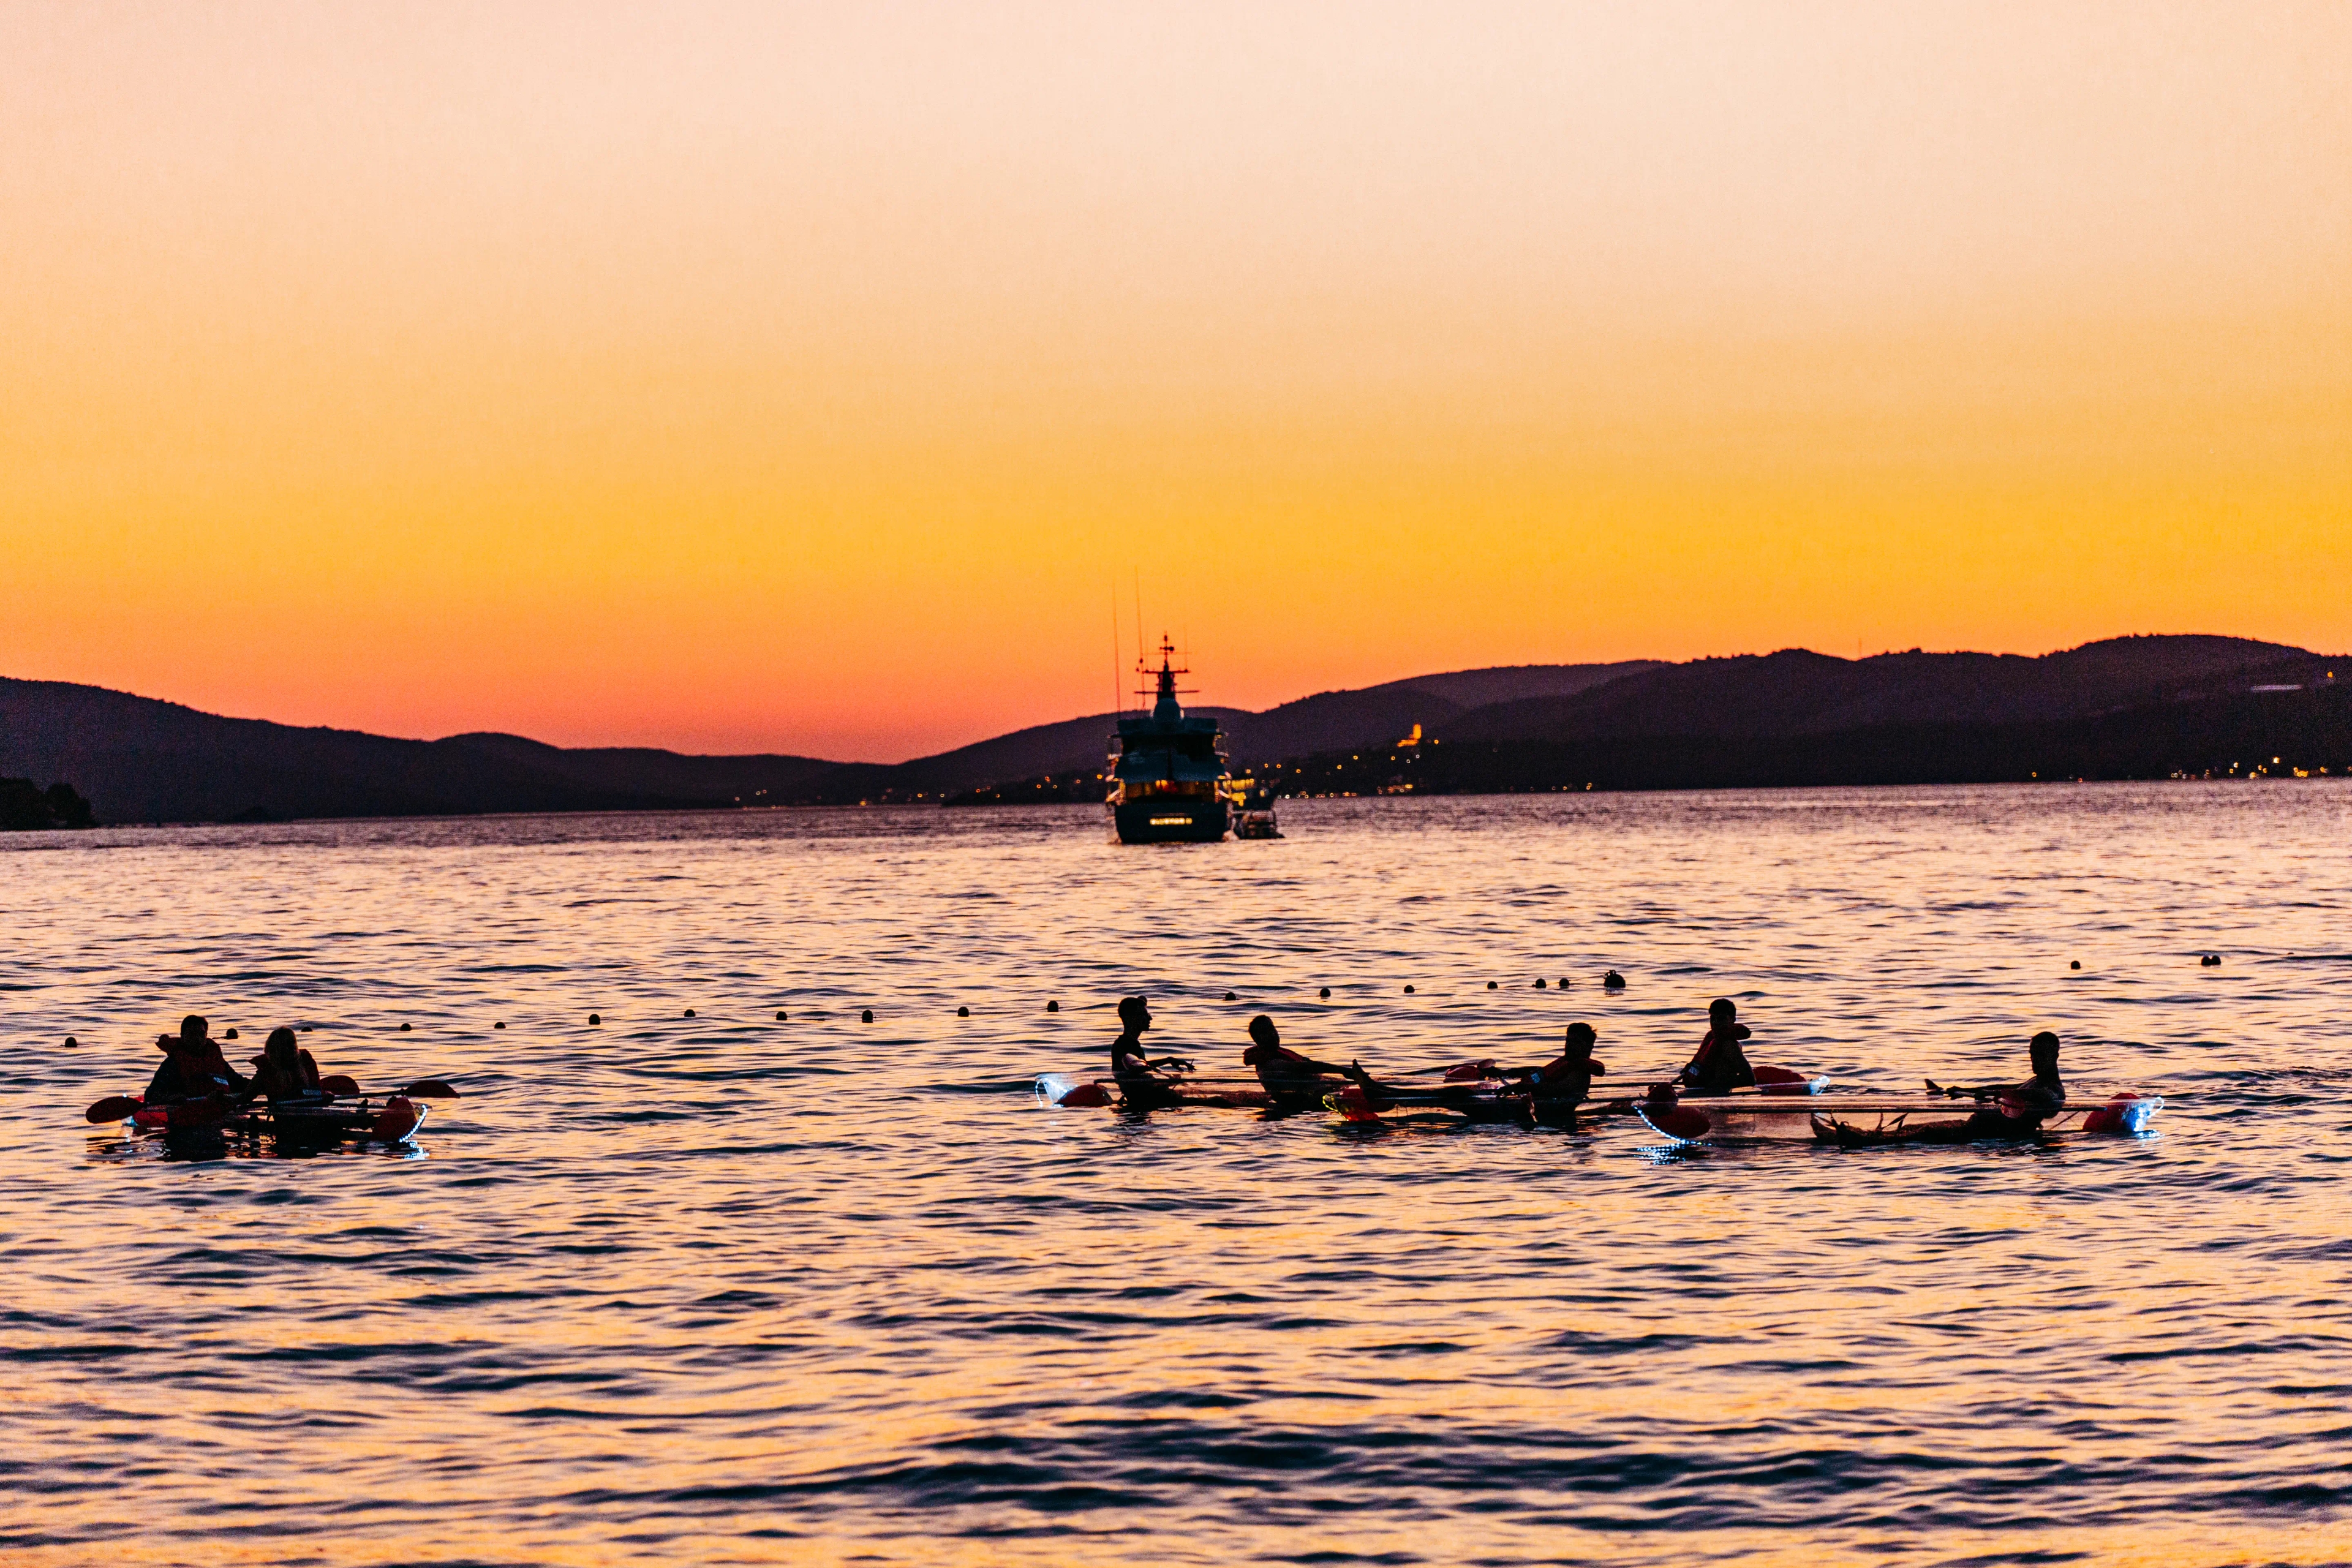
<point>1171,821</point>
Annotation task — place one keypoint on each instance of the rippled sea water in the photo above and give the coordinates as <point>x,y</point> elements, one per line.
<point>727,1289</point>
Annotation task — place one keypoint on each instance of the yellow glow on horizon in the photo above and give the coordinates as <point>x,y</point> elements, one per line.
<point>818,383</point>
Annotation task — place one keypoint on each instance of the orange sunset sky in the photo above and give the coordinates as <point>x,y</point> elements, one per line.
<point>814,379</point>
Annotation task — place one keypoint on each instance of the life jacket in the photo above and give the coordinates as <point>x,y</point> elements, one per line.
<point>1273,1062</point>
<point>1720,1063</point>
<point>190,1071</point>
<point>1565,1079</point>
<point>269,1076</point>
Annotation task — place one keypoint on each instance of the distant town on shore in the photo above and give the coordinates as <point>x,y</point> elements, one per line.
<point>2127,707</point>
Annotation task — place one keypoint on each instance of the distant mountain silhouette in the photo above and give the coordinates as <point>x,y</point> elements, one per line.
<point>1795,693</point>
<point>1792,716</point>
<point>139,760</point>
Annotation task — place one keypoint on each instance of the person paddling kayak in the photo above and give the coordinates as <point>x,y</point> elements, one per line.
<point>1139,1085</point>
<point>2006,1110</point>
<point>1294,1082</point>
<point>1721,1065</point>
<point>2009,1110</point>
<point>193,1066</point>
<point>284,1070</point>
<point>1562,1084</point>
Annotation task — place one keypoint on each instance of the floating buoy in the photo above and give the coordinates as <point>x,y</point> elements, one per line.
<point>1613,981</point>
<point>867,1016</point>
<point>498,1026</point>
<point>599,1017</point>
<point>72,1044</point>
<point>232,1034</point>
<point>403,1028</point>
<point>1325,994</point>
<point>1053,1006</point>
<point>1408,990</point>
<point>1539,984</point>
<point>960,1013</point>
<point>306,1029</point>
<point>690,1012</point>
<point>1563,982</point>
<point>1492,987</point>
<point>779,1015</point>
<point>1231,997</point>
<point>2076,965</point>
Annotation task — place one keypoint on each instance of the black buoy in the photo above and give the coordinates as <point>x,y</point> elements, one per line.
<point>72,1044</point>
<point>964,1012</point>
<point>1492,987</point>
<point>1539,984</point>
<point>403,1028</point>
<point>1408,990</point>
<point>779,1015</point>
<point>1325,994</point>
<point>867,1016</point>
<point>232,1034</point>
<point>1053,1006</point>
<point>2076,965</point>
<point>306,1029</point>
<point>498,1026</point>
<point>1563,982</point>
<point>1613,981</point>
<point>690,1012</point>
<point>595,1017</point>
<point>1231,997</point>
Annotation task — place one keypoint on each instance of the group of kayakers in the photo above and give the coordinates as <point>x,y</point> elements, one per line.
<point>1551,1092</point>
<point>194,1068</point>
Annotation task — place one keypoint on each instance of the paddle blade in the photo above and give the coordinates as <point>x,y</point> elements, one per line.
<point>113,1108</point>
<point>339,1084</point>
<point>429,1088</point>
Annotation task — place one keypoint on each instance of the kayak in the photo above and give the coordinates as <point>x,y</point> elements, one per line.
<point>1869,1117</point>
<point>319,1120</point>
<point>1076,1093</point>
<point>1468,1091</point>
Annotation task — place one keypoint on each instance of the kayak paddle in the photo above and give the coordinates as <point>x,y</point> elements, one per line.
<point>113,1108</point>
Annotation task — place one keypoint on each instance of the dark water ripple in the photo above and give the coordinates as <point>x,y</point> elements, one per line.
<point>724,1290</point>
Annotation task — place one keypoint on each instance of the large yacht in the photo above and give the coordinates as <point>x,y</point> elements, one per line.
<point>1169,781</point>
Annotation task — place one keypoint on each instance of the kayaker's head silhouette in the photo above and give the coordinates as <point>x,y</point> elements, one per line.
<point>1581,1038</point>
<point>1135,1014</point>
<point>282,1049</point>
<point>1724,1013</point>
<point>2044,1048</point>
<point>1262,1030</point>
<point>193,1028</point>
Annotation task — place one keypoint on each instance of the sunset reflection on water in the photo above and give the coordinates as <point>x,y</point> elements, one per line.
<point>722,1289</point>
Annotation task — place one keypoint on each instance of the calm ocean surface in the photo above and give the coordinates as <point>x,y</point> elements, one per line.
<point>722,1289</point>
